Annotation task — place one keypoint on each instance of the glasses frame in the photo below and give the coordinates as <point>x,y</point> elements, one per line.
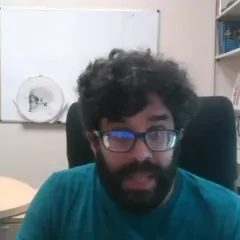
<point>138,135</point>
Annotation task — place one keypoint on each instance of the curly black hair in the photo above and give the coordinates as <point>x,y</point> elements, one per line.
<point>119,86</point>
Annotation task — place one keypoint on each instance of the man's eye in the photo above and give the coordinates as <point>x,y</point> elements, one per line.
<point>156,134</point>
<point>121,134</point>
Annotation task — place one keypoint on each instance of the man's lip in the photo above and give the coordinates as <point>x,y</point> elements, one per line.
<point>140,175</point>
<point>139,181</point>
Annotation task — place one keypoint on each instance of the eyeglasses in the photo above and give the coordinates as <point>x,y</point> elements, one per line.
<point>122,140</point>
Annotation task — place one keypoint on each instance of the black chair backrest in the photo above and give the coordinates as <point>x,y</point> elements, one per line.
<point>78,148</point>
<point>208,147</point>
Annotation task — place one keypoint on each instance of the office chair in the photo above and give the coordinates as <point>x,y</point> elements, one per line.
<point>78,148</point>
<point>208,147</point>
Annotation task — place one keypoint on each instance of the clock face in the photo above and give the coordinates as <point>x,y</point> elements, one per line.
<point>40,99</point>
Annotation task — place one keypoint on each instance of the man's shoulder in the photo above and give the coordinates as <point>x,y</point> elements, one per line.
<point>83,170</point>
<point>64,192</point>
<point>77,178</point>
<point>221,203</point>
<point>79,174</point>
<point>209,190</point>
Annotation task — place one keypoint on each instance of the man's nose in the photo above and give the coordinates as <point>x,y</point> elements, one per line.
<point>140,151</point>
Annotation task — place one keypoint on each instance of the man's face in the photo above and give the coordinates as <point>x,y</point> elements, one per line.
<point>139,179</point>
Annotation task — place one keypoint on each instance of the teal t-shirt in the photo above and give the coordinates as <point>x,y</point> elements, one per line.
<point>72,205</point>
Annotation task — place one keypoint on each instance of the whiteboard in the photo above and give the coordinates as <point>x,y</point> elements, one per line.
<point>60,43</point>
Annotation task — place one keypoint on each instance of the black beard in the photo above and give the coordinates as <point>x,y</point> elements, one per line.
<point>138,202</point>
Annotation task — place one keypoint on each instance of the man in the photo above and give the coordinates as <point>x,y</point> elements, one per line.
<point>134,108</point>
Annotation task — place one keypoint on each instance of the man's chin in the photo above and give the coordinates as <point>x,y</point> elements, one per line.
<point>139,196</point>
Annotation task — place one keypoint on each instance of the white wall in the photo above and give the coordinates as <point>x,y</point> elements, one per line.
<point>32,152</point>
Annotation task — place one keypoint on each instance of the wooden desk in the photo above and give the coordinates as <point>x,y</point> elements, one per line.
<point>15,198</point>
<point>14,201</point>
<point>9,227</point>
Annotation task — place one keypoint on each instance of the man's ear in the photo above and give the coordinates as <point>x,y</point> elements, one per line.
<point>181,134</point>
<point>93,140</point>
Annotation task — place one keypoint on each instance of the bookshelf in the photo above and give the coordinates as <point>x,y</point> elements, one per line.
<point>232,11</point>
<point>232,54</point>
<point>227,57</point>
<point>237,110</point>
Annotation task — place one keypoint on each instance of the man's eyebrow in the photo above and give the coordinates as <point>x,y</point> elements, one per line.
<point>161,117</point>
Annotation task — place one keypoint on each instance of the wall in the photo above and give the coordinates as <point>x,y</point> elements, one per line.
<point>32,152</point>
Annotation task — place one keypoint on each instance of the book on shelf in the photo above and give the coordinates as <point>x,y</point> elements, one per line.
<point>228,36</point>
<point>236,93</point>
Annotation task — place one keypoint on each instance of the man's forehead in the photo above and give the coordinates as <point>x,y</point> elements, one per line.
<point>153,112</point>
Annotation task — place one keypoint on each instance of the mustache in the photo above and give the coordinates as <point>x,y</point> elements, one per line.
<point>145,166</point>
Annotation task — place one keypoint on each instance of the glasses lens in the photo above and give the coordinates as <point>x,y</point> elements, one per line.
<point>118,140</point>
<point>161,140</point>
